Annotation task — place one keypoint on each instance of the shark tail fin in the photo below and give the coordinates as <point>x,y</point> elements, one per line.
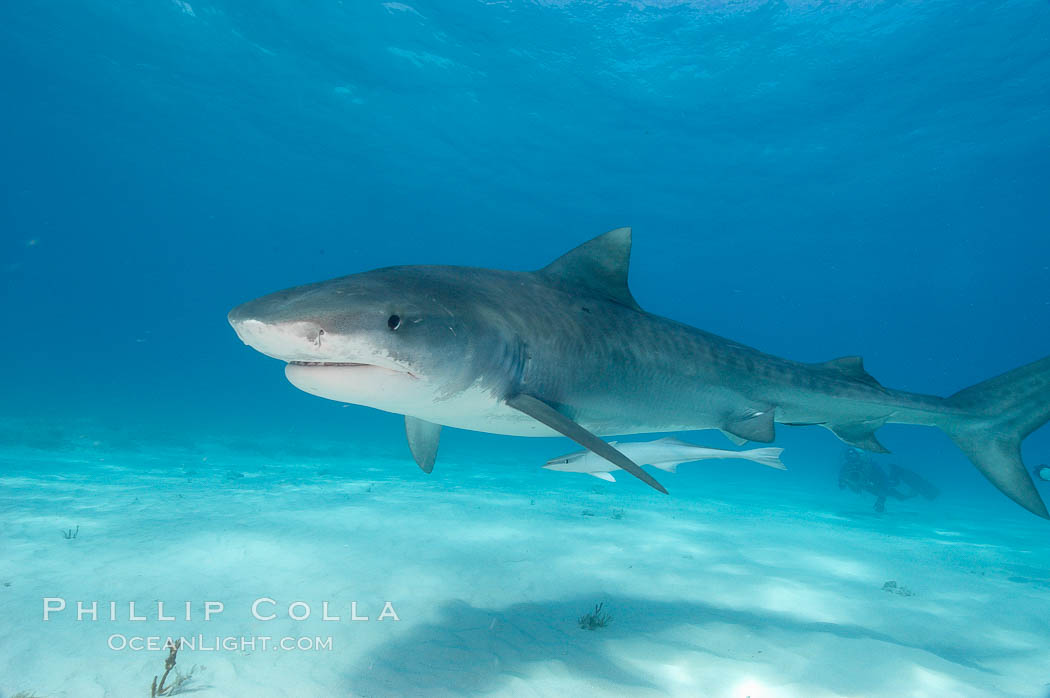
<point>1004,410</point>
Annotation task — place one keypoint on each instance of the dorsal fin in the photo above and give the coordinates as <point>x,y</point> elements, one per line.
<point>599,265</point>
<point>852,366</point>
<point>672,441</point>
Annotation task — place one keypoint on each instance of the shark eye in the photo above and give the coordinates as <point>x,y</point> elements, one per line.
<point>393,322</point>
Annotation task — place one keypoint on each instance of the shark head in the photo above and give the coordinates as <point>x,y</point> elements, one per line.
<point>391,338</point>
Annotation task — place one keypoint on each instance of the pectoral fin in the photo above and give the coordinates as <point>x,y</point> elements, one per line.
<point>604,476</point>
<point>423,438</point>
<point>542,412</point>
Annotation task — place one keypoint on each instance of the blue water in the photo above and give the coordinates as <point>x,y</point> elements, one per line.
<point>812,179</point>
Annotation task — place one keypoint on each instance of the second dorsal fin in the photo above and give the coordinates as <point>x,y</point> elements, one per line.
<point>852,366</point>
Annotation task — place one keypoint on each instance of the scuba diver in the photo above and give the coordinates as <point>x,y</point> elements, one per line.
<point>861,474</point>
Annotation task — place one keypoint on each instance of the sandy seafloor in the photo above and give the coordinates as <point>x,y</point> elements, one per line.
<point>716,590</point>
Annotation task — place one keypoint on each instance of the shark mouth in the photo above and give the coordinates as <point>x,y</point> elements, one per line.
<point>384,388</point>
<point>351,364</point>
<point>327,363</point>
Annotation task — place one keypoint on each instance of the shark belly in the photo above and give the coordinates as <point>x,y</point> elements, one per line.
<point>476,408</point>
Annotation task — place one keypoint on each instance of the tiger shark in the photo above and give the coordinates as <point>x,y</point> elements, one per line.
<point>566,350</point>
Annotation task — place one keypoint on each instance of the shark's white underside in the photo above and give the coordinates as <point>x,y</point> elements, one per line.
<point>475,408</point>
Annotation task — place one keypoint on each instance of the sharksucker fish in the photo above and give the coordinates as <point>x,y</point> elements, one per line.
<point>666,454</point>
<point>566,350</point>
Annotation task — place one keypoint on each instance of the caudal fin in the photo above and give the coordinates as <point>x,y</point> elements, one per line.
<point>1002,411</point>
<point>769,457</point>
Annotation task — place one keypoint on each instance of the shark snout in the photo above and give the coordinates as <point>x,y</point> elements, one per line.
<point>239,315</point>
<point>295,340</point>
<point>267,309</point>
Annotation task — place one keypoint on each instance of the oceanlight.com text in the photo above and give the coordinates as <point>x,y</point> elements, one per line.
<point>220,643</point>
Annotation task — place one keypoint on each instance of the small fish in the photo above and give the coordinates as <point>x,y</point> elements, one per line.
<point>665,454</point>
